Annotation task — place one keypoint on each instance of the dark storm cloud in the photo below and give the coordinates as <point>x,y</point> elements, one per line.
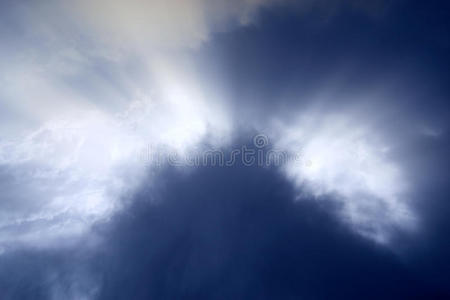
<point>219,233</point>
<point>290,57</point>
<point>35,274</point>
<point>235,232</point>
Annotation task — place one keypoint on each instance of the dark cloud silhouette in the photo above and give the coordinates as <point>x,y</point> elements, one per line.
<point>232,232</point>
<point>236,232</point>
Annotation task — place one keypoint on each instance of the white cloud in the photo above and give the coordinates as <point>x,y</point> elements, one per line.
<point>345,158</point>
<point>73,171</point>
<point>88,86</point>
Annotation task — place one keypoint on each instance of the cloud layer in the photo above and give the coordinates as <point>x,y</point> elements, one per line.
<point>87,86</point>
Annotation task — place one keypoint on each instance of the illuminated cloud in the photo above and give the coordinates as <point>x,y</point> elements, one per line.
<point>73,147</point>
<point>73,171</point>
<point>345,158</point>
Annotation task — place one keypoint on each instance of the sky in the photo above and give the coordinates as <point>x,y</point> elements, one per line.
<point>211,149</point>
